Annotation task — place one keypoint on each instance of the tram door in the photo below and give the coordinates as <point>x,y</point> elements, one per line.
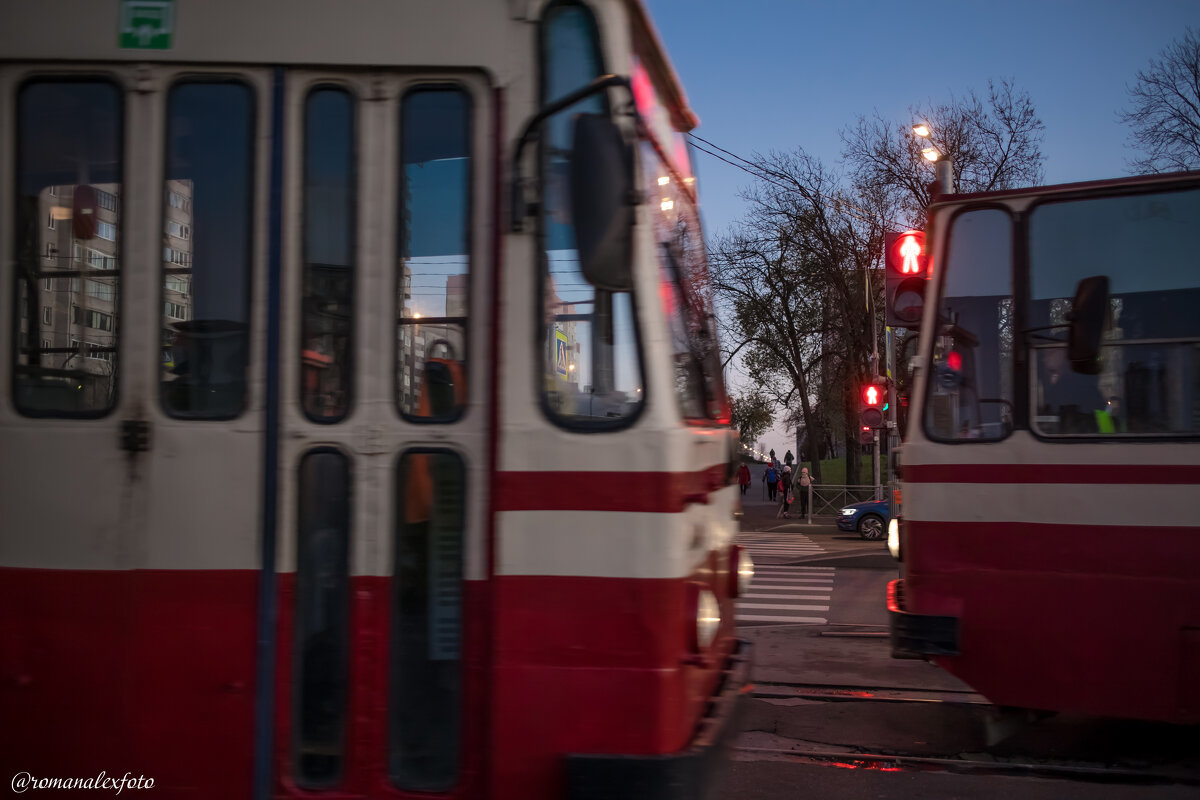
<point>132,418</point>
<point>381,548</point>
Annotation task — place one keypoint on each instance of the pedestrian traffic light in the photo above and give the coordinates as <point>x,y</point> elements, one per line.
<point>906,268</point>
<point>872,404</point>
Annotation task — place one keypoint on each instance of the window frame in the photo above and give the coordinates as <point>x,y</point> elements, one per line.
<point>1017,260</point>
<point>352,334</point>
<point>1027,377</point>
<point>296,694</point>
<point>473,107</point>
<point>542,266</point>
<point>120,106</point>
<point>253,233</point>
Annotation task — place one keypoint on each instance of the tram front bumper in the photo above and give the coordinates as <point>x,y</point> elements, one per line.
<point>686,774</point>
<point>918,635</point>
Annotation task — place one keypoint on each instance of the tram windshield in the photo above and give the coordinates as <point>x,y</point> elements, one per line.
<point>1148,382</point>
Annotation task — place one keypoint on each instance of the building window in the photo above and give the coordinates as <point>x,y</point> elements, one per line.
<point>176,200</point>
<point>175,310</point>
<point>99,320</point>
<point>98,260</point>
<point>179,230</point>
<point>106,200</point>
<point>177,284</point>
<point>100,290</point>
<point>51,250</point>
<point>106,230</point>
<point>46,315</point>
<point>51,222</point>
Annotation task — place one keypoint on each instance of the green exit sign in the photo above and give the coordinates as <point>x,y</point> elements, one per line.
<point>147,24</point>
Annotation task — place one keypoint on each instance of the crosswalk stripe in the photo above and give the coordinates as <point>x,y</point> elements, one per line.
<point>765,618</point>
<point>780,607</point>
<point>794,582</point>
<point>784,597</point>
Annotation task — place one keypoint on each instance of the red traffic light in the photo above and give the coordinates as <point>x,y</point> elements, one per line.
<point>905,276</point>
<point>872,396</point>
<point>906,254</point>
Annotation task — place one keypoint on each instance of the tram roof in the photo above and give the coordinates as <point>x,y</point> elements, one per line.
<point>346,33</point>
<point>1156,179</point>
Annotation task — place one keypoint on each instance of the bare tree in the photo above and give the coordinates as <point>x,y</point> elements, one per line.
<point>792,283</point>
<point>992,145</point>
<point>1165,112</point>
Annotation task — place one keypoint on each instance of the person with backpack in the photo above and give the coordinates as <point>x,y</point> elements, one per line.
<point>772,480</point>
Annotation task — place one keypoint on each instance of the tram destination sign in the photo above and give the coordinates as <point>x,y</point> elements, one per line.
<point>147,24</point>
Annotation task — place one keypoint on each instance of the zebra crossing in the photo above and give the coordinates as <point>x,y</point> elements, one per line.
<point>782,594</point>
<point>766,548</point>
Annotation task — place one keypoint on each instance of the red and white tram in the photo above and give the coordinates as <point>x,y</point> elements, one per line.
<point>1051,469</point>
<point>362,431</point>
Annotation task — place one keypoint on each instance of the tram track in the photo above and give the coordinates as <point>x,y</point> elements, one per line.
<point>1012,767</point>
<point>833,693</point>
<point>753,747</point>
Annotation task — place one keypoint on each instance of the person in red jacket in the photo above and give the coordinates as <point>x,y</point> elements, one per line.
<point>744,477</point>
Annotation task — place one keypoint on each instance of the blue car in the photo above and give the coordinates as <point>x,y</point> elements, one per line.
<point>870,518</point>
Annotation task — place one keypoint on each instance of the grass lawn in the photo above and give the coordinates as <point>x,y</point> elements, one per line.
<point>833,471</point>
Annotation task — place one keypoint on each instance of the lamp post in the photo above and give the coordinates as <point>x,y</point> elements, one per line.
<point>944,166</point>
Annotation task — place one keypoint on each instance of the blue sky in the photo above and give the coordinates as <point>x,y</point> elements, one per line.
<point>779,74</point>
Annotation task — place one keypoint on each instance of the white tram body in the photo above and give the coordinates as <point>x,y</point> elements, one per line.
<point>322,472</point>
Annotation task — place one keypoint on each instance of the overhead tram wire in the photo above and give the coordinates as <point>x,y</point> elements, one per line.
<point>750,168</point>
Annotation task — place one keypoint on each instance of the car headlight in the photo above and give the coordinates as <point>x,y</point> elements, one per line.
<point>708,618</point>
<point>848,512</point>
<point>894,538</point>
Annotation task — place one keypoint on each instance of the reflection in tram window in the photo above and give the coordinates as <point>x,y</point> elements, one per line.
<point>1148,378</point>
<point>207,241</point>
<point>68,205</point>
<point>591,376</point>
<point>320,687</point>
<point>425,686</point>
<point>329,219</point>
<point>434,270</point>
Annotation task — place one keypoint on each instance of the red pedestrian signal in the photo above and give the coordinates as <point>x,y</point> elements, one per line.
<point>906,273</point>
<point>873,404</point>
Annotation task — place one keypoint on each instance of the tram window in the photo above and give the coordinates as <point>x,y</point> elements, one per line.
<point>327,323</point>
<point>1148,383</point>
<point>321,658</point>
<point>433,280</point>
<point>209,166</point>
<point>69,136</point>
<point>591,376</point>
<point>970,390</point>
<point>682,274</point>
<point>425,669</point>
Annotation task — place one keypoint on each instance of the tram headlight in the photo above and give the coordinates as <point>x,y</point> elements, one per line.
<point>894,538</point>
<point>741,570</point>
<point>745,571</point>
<point>708,618</point>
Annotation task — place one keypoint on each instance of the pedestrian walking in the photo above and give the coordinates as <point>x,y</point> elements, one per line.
<point>744,478</point>
<point>785,494</point>
<point>803,482</point>
<point>771,478</point>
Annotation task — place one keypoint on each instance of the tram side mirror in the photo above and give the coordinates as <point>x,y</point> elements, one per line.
<point>602,210</point>
<point>1089,312</point>
<point>83,212</point>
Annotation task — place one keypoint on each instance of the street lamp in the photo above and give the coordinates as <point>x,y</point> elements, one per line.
<point>944,183</point>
